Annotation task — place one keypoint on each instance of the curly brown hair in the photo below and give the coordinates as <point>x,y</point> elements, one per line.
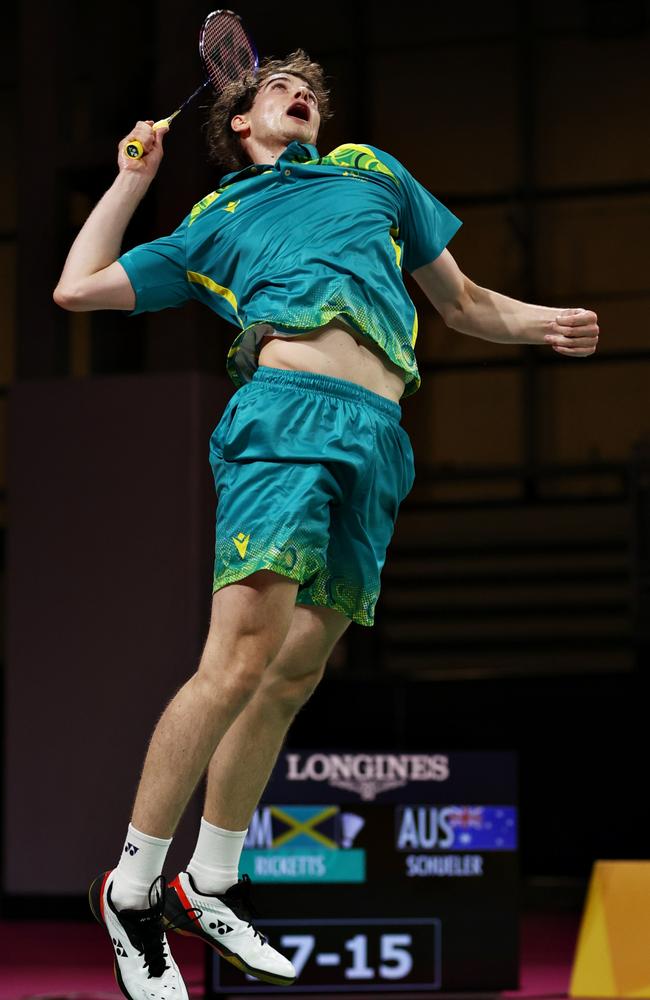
<point>224,145</point>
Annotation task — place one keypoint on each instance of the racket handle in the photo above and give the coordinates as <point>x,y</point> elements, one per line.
<point>134,149</point>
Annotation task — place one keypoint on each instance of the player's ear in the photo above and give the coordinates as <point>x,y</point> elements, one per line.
<point>240,125</point>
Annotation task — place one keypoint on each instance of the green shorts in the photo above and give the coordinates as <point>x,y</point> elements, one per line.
<point>310,472</point>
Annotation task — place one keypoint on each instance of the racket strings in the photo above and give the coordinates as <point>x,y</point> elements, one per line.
<point>226,50</point>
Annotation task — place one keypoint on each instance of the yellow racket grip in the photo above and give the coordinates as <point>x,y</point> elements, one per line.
<point>134,148</point>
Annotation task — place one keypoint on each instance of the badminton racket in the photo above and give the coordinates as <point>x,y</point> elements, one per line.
<point>227,53</point>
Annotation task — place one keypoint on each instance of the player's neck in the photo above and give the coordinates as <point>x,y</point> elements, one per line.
<point>265,152</point>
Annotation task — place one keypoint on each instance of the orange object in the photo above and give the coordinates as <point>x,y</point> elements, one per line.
<point>613,951</point>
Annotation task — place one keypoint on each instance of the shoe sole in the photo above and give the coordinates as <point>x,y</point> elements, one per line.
<point>95,894</point>
<point>191,928</point>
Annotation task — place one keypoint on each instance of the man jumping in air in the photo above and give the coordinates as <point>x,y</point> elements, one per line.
<point>304,255</point>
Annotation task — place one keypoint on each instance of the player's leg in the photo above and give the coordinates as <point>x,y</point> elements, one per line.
<point>242,764</point>
<point>249,623</point>
<point>238,773</point>
<point>276,457</point>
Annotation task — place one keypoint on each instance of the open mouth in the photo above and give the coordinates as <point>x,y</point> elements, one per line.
<point>299,110</point>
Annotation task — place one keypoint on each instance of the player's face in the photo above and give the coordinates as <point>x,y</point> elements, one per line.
<point>285,108</point>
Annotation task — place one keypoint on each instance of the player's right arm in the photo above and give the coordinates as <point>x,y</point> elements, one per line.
<point>92,278</point>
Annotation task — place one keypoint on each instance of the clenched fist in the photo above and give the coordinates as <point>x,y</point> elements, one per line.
<point>152,144</point>
<point>573,332</point>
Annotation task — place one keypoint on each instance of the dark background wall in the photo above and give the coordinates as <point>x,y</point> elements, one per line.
<point>515,599</point>
<point>108,569</point>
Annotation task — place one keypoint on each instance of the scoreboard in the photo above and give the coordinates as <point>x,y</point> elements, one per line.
<point>385,872</point>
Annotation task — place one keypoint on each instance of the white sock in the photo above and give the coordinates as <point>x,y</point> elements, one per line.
<point>140,864</point>
<point>215,863</point>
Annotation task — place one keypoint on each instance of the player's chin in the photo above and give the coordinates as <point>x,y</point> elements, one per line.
<point>302,131</point>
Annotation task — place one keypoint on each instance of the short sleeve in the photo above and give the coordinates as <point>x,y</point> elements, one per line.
<point>158,272</point>
<point>426,225</point>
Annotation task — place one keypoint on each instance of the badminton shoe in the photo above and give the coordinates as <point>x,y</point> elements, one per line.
<point>224,922</point>
<point>144,967</point>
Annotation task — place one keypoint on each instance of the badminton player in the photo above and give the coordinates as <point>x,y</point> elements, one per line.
<point>304,254</point>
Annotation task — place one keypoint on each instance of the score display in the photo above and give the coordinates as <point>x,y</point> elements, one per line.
<point>370,952</point>
<point>385,872</point>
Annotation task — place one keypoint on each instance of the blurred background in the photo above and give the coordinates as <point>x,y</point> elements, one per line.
<point>514,610</point>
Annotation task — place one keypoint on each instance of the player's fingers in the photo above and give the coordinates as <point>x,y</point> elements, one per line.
<point>556,329</point>
<point>143,132</point>
<point>575,352</point>
<point>155,153</point>
<point>572,341</point>
<point>576,317</point>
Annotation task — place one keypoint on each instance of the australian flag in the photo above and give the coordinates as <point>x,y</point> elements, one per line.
<point>484,828</point>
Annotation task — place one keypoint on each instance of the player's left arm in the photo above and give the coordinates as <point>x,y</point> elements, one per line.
<point>480,312</point>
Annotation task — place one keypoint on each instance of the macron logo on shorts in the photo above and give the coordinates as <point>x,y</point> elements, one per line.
<point>241,543</point>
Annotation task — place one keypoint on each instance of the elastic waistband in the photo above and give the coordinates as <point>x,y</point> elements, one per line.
<point>328,386</point>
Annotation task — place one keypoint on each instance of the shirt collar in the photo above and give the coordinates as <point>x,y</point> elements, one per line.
<point>295,152</point>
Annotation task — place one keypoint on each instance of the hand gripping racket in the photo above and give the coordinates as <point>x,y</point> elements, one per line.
<point>227,53</point>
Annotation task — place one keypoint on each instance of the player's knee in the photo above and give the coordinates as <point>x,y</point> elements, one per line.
<point>234,673</point>
<point>289,694</point>
<point>243,680</point>
<point>253,640</point>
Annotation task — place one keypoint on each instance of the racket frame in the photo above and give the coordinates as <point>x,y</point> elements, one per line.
<point>134,148</point>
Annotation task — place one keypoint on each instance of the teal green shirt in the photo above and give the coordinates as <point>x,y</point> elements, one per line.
<point>297,244</point>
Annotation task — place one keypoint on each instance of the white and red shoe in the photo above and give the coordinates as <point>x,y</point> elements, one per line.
<point>144,968</point>
<point>224,922</point>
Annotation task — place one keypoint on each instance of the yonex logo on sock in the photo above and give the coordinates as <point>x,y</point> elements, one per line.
<point>131,849</point>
